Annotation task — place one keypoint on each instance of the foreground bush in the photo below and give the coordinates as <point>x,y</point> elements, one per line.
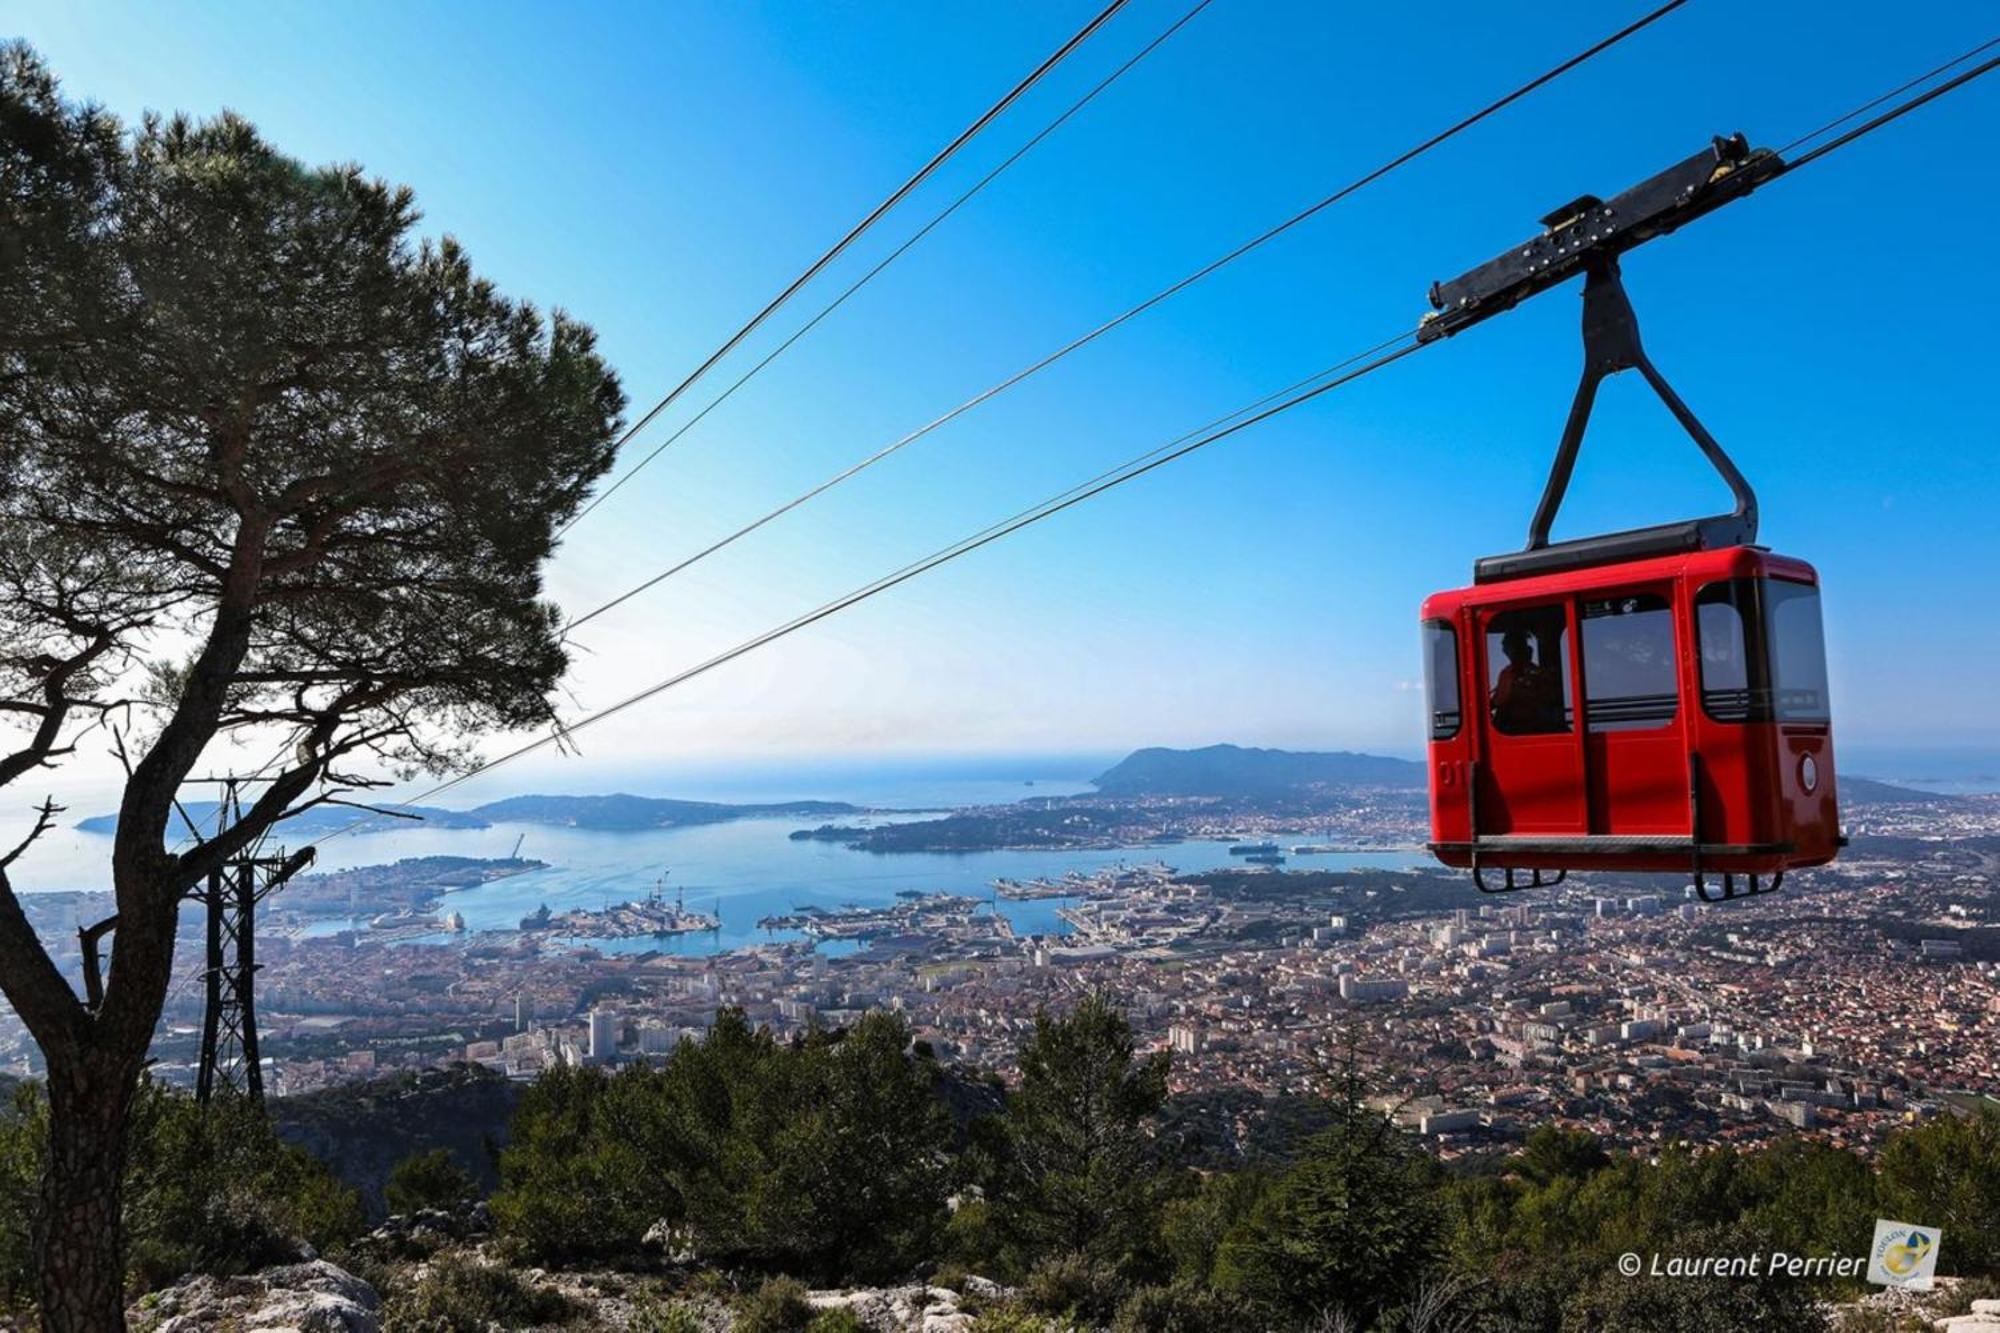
<point>1182,1308</point>
<point>457,1295</point>
<point>22,1129</point>
<point>671,1317</point>
<point>206,1191</point>
<point>214,1190</point>
<point>837,1321</point>
<point>778,1306</point>
<point>1071,1286</point>
<point>429,1180</point>
<point>829,1157</point>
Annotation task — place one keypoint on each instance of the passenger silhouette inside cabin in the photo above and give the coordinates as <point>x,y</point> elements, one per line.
<point>1528,696</point>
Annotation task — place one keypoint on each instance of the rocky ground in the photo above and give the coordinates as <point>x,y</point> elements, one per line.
<point>315,1297</point>
<point>1985,1318</point>
<point>415,1268</point>
<point>320,1297</point>
<point>1895,1310</point>
<point>440,1256</point>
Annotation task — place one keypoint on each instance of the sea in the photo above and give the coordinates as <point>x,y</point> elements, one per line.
<point>1937,770</point>
<point>745,870</point>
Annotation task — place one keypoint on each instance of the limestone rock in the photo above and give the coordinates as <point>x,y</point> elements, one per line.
<point>315,1297</point>
<point>910,1309</point>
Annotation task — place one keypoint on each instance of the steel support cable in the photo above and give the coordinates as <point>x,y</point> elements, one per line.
<point>277,756</point>
<point>1164,294</point>
<point>677,568</point>
<point>1076,495</point>
<point>1893,93</point>
<point>1242,419</point>
<point>1894,113</point>
<point>887,260</point>
<point>839,247</point>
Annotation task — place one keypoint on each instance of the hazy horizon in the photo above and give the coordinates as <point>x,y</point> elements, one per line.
<point>757,778</point>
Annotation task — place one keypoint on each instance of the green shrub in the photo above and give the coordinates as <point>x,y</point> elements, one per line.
<point>573,1184</point>
<point>1181,1308</point>
<point>431,1179</point>
<point>1011,1317</point>
<point>1946,1173</point>
<point>973,1239</point>
<point>668,1317</point>
<point>836,1321</point>
<point>829,1157</point>
<point>778,1306</point>
<point>214,1190</point>
<point>23,1128</point>
<point>1081,1171</point>
<point>457,1295</point>
<point>1959,1299</point>
<point>1352,1223</point>
<point>1071,1286</point>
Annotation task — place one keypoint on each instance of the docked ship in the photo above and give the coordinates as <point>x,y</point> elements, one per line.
<point>1254,849</point>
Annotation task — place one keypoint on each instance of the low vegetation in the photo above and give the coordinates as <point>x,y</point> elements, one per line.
<point>210,1191</point>
<point>431,1179</point>
<point>461,1295</point>
<point>743,1169</point>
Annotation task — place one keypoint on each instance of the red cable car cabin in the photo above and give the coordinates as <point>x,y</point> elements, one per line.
<point>1664,714</point>
<point>1651,700</point>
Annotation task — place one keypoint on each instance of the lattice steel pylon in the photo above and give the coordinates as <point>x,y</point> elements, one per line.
<point>229,1059</point>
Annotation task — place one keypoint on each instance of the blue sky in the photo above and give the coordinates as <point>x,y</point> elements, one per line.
<point>661,170</point>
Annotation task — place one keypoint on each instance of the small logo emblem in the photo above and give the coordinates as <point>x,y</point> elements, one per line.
<point>1903,1255</point>
<point>1809,774</point>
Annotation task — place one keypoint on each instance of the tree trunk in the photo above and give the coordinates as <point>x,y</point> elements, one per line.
<point>82,1248</point>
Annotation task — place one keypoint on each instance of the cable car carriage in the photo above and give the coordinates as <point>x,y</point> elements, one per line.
<point>1649,700</point>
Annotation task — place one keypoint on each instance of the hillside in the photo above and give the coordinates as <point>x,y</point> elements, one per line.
<point>320,820</point>
<point>1236,771</point>
<point>611,814</point>
<point>362,1130</point>
<point>623,813</point>
<point>1870,791</point>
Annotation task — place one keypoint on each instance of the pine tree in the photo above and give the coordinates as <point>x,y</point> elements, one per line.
<point>1083,1174</point>
<point>270,472</point>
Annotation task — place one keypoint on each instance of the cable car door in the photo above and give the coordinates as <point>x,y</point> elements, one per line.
<point>1635,748</point>
<point>1531,778</point>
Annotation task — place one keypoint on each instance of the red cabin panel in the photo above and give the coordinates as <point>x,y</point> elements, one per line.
<point>1661,714</point>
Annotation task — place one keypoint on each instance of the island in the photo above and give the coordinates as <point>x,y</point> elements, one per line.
<point>622,813</point>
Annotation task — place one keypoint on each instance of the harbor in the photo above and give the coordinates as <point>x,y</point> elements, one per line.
<point>652,916</point>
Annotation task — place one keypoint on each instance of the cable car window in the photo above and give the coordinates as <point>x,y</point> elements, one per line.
<point>1724,614</point>
<point>1628,662</point>
<point>1441,678</point>
<point>1763,656</point>
<point>1798,652</point>
<point>1527,663</point>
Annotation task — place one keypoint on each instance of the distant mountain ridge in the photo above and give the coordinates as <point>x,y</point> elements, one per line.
<point>316,822</point>
<point>1244,771</point>
<point>621,812</point>
<point>1227,771</point>
<point>615,813</point>
<point>1873,791</point>
<point>1235,770</point>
